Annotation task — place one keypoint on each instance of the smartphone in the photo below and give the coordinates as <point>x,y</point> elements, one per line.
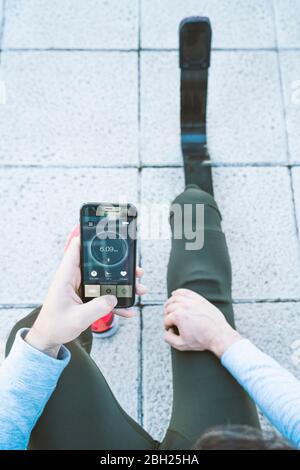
<point>108,251</point>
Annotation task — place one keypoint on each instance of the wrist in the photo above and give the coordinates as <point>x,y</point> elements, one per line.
<point>225,339</point>
<point>40,342</point>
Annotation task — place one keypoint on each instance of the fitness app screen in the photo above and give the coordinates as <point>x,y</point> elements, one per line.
<point>108,255</point>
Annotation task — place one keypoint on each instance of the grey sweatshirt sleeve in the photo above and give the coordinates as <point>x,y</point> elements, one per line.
<point>27,379</point>
<point>275,390</point>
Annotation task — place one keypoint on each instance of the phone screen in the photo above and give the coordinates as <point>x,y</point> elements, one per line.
<point>108,251</point>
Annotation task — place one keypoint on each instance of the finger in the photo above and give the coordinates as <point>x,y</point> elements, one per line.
<point>171,304</point>
<point>124,312</point>
<point>186,293</point>
<point>176,300</point>
<point>98,307</point>
<point>74,233</point>
<point>189,294</point>
<point>169,321</point>
<point>172,309</point>
<point>172,330</point>
<point>140,289</point>
<point>139,272</point>
<point>70,263</point>
<point>173,340</point>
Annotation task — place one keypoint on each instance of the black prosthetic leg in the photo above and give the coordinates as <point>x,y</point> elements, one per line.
<point>195,46</point>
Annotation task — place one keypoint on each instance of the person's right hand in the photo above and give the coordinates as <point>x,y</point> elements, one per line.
<point>199,324</point>
<point>63,315</point>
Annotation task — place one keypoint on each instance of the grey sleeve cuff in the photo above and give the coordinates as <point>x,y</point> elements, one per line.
<point>28,361</point>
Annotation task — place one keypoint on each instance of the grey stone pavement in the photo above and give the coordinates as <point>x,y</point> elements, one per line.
<point>92,113</point>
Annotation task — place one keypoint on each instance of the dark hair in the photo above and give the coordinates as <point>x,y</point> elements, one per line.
<point>237,437</point>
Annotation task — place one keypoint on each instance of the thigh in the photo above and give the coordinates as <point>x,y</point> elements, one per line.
<point>82,412</point>
<point>207,271</point>
<point>204,393</point>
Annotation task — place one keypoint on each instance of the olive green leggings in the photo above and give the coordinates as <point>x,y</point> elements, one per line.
<point>83,413</point>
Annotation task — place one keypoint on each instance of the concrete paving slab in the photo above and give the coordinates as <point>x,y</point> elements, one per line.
<point>39,209</point>
<point>287,13</point>
<point>260,224</point>
<point>157,374</point>
<point>159,188</point>
<point>235,24</point>
<point>72,24</point>
<point>258,220</point>
<point>69,109</point>
<point>245,112</point>
<point>290,70</point>
<point>275,329</point>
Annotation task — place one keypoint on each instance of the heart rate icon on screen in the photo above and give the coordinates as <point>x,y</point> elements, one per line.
<point>123,273</point>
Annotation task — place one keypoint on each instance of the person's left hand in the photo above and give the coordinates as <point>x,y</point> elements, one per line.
<point>63,315</point>
<point>195,324</point>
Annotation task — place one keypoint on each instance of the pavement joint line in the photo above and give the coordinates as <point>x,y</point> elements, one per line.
<point>67,167</point>
<point>228,49</point>
<point>232,165</point>
<point>140,392</point>
<point>143,49</point>
<point>18,306</point>
<point>141,167</point>
<point>266,301</point>
<point>273,8</point>
<point>65,49</point>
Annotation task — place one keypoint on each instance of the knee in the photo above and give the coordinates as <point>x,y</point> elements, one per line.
<point>193,194</point>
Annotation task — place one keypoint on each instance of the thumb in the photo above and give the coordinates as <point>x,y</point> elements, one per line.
<point>99,307</point>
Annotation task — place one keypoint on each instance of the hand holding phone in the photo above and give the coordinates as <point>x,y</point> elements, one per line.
<point>63,315</point>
